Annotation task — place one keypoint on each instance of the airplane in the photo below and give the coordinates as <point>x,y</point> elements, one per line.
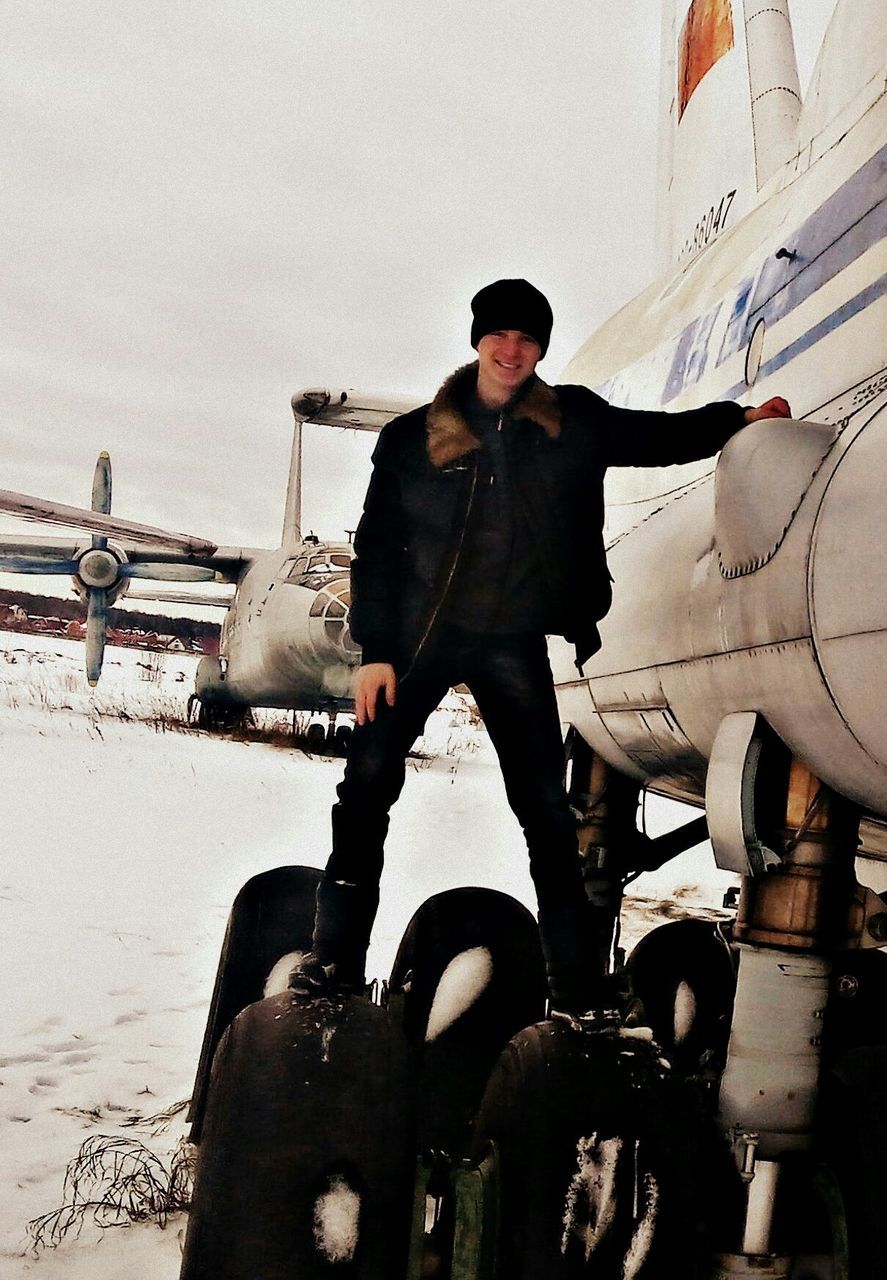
<point>284,640</point>
<point>737,1130</point>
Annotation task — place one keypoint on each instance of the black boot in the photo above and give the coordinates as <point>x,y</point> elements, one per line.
<point>573,964</point>
<point>343,922</point>
<point>310,978</point>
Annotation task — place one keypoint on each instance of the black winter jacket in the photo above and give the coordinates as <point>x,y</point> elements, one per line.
<point>425,468</point>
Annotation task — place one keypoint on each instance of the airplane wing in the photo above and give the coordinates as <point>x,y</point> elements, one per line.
<point>26,507</point>
<point>214,601</point>
<point>353,409</point>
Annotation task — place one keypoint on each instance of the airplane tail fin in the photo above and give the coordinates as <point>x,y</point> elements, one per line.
<point>292,510</point>
<point>346,409</point>
<point>730,103</point>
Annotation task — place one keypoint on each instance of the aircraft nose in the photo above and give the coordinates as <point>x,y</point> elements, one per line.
<point>848,587</point>
<point>328,618</point>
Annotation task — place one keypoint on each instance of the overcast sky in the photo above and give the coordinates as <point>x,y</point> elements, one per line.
<point>209,205</point>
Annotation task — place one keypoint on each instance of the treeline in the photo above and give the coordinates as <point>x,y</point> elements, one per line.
<point>56,615</point>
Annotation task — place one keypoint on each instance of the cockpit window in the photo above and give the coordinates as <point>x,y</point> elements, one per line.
<point>327,563</point>
<point>322,563</point>
<point>331,604</point>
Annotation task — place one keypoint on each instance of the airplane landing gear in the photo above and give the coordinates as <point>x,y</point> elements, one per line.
<point>310,1114</point>
<point>739,1133</point>
<point>218,717</point>
<point>330,739</point>
<point>605,805</point>
<point>800,1111</point>
<point>598,1150</point>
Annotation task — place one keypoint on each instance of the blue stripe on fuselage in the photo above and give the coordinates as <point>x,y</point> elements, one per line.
<point>877,289</point>
<point>845,226</point>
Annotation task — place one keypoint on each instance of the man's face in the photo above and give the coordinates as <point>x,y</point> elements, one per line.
<point>507,357</point>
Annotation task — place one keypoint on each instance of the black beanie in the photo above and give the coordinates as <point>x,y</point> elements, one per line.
<point>511,304</point>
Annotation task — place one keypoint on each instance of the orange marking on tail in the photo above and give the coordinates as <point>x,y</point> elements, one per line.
<point>706,36</point>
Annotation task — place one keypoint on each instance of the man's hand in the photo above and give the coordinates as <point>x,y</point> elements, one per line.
<point>371,681</point>
<point>775,408</point>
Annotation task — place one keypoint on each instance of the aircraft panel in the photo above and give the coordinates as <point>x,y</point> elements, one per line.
<point>849,625</point>
<point>760,482</point>
<point>849,72</point>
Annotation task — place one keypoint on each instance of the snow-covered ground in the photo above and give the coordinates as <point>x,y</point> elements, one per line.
<point>126,838</point>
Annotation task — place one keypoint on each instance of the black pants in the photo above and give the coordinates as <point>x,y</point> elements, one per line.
<point>510,679</point>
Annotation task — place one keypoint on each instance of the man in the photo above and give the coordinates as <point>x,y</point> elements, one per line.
<point>481,534</point>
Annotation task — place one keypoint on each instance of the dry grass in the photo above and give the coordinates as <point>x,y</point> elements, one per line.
<point>159,1121</point>
<point>113,1182</point>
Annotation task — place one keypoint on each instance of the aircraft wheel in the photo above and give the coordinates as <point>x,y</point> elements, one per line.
<point>306,1162</point>
<point>597,1159</point>
<point>272,917</point>
<point>315,738</point>
<point>684,975</point>
<point>216,717</point>
<point>852,1184</point>
<point>468,975</point>
<point>342,738</point>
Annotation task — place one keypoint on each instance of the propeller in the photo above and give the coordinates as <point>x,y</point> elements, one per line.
<point>101,572</point>
<point>97,596</point>
<point>37,564</point>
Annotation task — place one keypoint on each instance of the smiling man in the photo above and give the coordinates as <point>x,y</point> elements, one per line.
<point>481,535</point>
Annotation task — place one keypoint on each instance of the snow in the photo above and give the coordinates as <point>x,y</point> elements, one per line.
<point>590,1207</point>
<point>336,1221</point>
<point>278,979</point>
<point>591,1202</point>
<point>461,983</point>
<point>642,1239</point>
<point>126,839</point>
<point>684,1011</point>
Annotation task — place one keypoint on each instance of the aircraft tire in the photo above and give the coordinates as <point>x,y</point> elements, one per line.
<point>220,717</point>
<point>306,1163</point>
<point>684,975</point>
<point>315,738</point>
<point>272,916</point>
<point>342,738</point>
<point>470,974</point>
<point>854,1143</point>
<point>597,1159</point>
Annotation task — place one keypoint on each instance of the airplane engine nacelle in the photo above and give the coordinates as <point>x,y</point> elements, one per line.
<point>761,588</point>
<point>210,685</point>
<point>848,587</point>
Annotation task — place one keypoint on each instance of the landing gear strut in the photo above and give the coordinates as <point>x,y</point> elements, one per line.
<point>800,907</point>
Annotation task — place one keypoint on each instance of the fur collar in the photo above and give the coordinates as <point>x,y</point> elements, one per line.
<point>448,433</point>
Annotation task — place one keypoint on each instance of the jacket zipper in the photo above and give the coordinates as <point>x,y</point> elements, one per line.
<point>450,574</point>
<point>498,428</point>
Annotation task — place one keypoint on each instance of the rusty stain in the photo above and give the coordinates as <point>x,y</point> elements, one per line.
<point>707,34</point>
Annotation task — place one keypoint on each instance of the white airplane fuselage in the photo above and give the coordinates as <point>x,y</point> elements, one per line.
<point>285,640</point>
<point>761,584</point>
